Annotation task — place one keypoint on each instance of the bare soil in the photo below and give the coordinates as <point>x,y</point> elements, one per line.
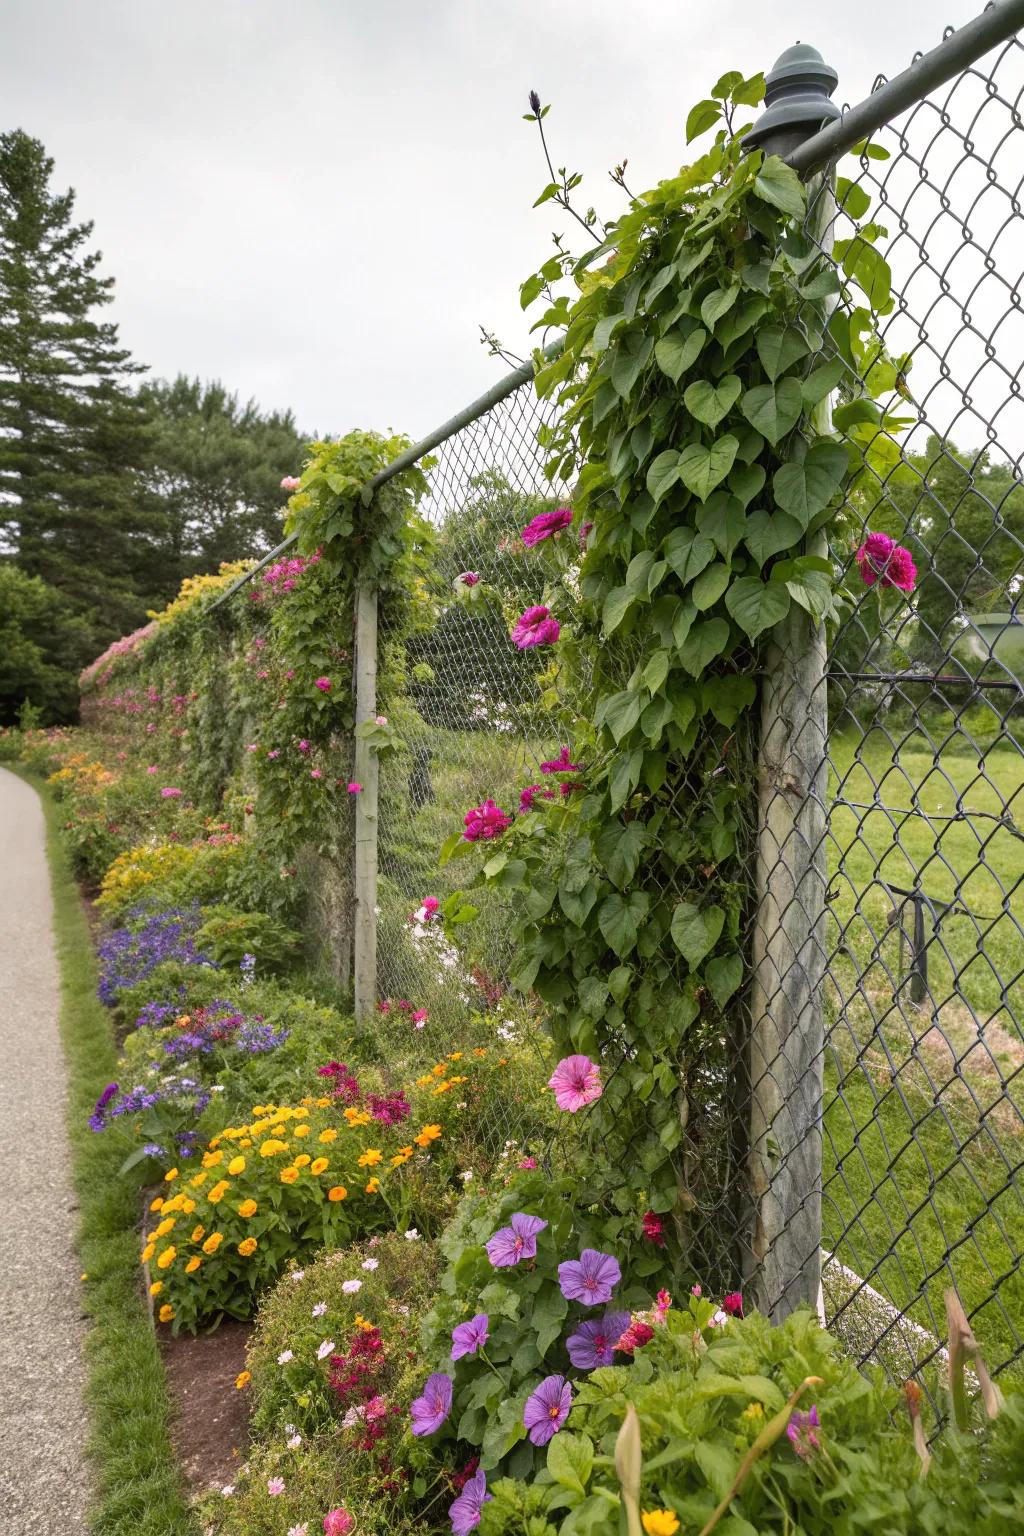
<point>210,1429</point>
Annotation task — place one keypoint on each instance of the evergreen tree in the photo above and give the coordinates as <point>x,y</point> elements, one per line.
<point>216,470</point>
<point>73,434</point>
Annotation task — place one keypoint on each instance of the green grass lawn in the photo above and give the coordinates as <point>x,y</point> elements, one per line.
<point>924,1142</point>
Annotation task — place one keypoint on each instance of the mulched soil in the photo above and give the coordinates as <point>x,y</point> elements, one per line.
<point>210,1429</point>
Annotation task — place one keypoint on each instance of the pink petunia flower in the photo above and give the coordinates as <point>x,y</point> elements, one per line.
<point>545,525</point>
<point>881,559</point>
<point>576,1081</point>
<point>485,822</point>
<point>535,627</point>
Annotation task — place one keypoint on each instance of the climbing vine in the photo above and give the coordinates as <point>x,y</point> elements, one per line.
<point>701,341</point>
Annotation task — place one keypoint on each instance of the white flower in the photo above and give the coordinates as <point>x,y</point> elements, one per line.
<point>353,1417</point>
<point>326,1348</point>
<point>294,1442</point>
<point>370,1263</point>
<point>299,1530</point>
<point>284,1357</point>
<point>719,1319</point>
<point>298,1274</point>
<point>412,1236</point>
<point>228,1490</point>
<point>467,1176</point>
<point>320,1309</point>
<point>289,1429</point>
<point>403,1310</point>
<point>350,1287</point>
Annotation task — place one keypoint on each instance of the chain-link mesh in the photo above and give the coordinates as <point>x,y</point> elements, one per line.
<point>889,860</point>
<point>922,953</point>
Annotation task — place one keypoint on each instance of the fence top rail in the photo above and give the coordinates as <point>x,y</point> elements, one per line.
<point>1000,20</point>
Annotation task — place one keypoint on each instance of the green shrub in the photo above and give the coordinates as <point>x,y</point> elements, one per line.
<point>229,934</point>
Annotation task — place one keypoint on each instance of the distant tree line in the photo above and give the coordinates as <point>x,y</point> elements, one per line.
<point>112,489</point>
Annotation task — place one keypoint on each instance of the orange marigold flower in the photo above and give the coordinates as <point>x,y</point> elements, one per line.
<point>156,1204</point>
<point>166,1312</point>
<point>370,1158</point>
<point>373,1186</point>
<point>167,1225</point>
<point>197,1234</point>
<point>247,1247</point>
<point>218,1191</point>
<point>213,1242</point>
<point>289,1175</point>
<point>302,1130</point>
<point>247,1208</point>
<point>172,1173</point>
<point>272,1147</point>
<point>193,1264</point>
<point>211,1159</point>
<point>147,1253</point>
<point>330,1134</point>
<point>319,1165</point>
<point>302,1161</point>
<point>166,1258</point>
<point>242,1380</point>
<point>337,1193</point>
<point>156,1288</point>
<point>428,1134</point>
<point>236,1165</point>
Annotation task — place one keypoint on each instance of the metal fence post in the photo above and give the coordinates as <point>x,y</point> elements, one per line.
<point>786,1021</point>
<point>366,773</point>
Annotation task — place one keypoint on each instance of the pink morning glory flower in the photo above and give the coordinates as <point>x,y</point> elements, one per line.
<point>535,627</point>
<point>545,524</point>
<point>516,1241</point>
<point>576,1081</point>
<point>590,1279</point>
<point>547,1409</point>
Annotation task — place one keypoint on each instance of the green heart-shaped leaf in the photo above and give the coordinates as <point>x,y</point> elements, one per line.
<point>710,585</point>
<point>702,469</point>
<point>804,489</point>
<point>704,642</point>
<point>746,481</point>
<point>779,347</point>
<point>774,409</point>
<point>678,351</point>
<point>710,402</point>
<point>768,533</point>
<point>757,605</point>
<point>663,474</point>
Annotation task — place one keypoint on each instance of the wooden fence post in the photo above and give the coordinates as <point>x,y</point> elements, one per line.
<point>366,773</point>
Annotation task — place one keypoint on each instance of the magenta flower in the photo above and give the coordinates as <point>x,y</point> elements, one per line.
<point>469,578</point>
<point>316,773</point>
<point>530,793</point>
<point>535,627</point>
<point>516,1241</point>
<point>170,794</point>
<point>653,1229</point>
<point>338,1522</point>
<point>467,1338</point>
<point>802,1431</point>
<point>547,1409</point>
<point>465,1512</point>
<point>545,524</point>
<point>576,1081</point>
<point>430,1410</point>
<point>882,559</point>
<point>591,1278</point>
<point>733,1304</point>
<point>594,1341</point>
<point>560,764</point>
<point>485,822</point>
<point>303,745</point>
<point>420,1017</point>
<point>527,1162</point>
<point>430,905</point>
<point>324,684</point>
<point>354,788</point>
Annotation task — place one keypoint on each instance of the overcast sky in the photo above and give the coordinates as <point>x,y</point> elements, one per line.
<point>318,201</point>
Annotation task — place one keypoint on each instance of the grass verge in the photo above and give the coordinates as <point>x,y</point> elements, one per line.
<point>137,1485</point>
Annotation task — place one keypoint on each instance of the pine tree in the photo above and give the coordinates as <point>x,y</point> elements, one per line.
<point>73,434</point>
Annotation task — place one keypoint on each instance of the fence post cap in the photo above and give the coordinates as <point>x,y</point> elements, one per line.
<point>798,90</point>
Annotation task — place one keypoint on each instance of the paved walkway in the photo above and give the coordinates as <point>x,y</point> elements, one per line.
<point>43,1484</point>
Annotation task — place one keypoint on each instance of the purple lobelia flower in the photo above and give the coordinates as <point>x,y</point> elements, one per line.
<point>433,1406</point>
<point>594,1341</point>
<point>516,1241</point>
<point>591,1278</point>
<point>465,1512</point>
<point>97,1120</point>
<point>547,1409</point>
<point>467,1338</point>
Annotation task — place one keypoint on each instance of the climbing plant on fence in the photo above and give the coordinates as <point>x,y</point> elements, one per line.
<point>701,340</point>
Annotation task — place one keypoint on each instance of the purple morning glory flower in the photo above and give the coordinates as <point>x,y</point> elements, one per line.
<point>516,1241</point>
<point>430,1410</point>
<point>594,1342</point>
<point>467,1338</point>
<point>591,1278</point>
<point>547,1409</point>
<point>465,1512</point>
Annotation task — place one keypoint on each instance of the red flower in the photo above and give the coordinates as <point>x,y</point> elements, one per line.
<point>733,1304</point>
<point>654,1229</point>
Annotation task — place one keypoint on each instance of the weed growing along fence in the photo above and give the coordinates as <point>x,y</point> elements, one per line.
<point>774,895</point>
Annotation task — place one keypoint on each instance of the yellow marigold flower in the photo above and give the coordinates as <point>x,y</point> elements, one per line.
<point>246,1141</point>
<point>453,1080</point>
<point>165,1227</point>
<point>247,1208</point>
<point>306,1101</point>
<point>478,1050</point>
<point>428,1134</point>
<point>337,1193</point>
<point>278,1129</point>
<point>193,1264</point>
<point>370,1158</point>
<point>166,1312</point>
<point>218,1191</point>
<point>401,1156</point>
<point>272,1147</point>
<point>156,1205</point>
<point>363,1323</point>
<point>257,1110</point>
<point>319,1165</point>
<point>442,1088</point>
<point>166,1258</point>
<point>213,1242</point>
<point>156,1288</point>
<point>424,1082</point>
<point>211,1159</point>
<point>172,1173</point>
<point>358,1116</point>
<point>330,1134</point>
<point>302,1161</point>
<point>439,1070</point>
<point>289,1175</point>
<point>197,1234</point>
<point>302,1130</point>
<point>659,1522</point>
<point>147,1253</point>
<point>373,1186</point>
<point>187,1206</point>
<point>214,1142</point>
<point>454,1055</point>
<point>199,1180</point>
<point>242,1380</point>
<point>236,1165</point>
<point>247,1247</point>
<point>323,1103</point>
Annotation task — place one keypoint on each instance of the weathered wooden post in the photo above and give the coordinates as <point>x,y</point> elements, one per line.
<point>783,1259</point>
<point>366,773</point>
